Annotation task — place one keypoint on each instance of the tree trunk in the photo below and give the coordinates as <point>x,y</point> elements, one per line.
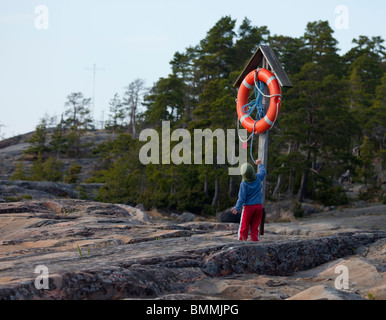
<point>172,189</point>
<point>314,159</point>
<point>280,178</point>
<point>278,184</point>
<point>206,185</point>
<point>291,182</point>
<point>134,110</point>
<point>231,191</point>
<point>303,184</point>
<point>216,193</point>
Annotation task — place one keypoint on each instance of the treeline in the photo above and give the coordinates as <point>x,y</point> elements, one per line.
<point>54,141</point>
<point>331,121</point>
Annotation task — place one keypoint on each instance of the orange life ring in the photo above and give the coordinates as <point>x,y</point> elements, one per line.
<point>247,85</point>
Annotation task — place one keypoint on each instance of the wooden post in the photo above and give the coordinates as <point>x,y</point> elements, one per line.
<point>263,151</point>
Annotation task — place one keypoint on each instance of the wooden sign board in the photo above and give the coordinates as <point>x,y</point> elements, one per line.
<point>273,62</point>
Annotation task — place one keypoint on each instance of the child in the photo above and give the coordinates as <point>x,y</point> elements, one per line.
<point>250,197</point>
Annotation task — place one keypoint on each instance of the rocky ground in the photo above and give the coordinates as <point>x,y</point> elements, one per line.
<point>103,251</point>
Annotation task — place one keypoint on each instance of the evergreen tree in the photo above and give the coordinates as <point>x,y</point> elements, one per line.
<point>321,47</point>
<point>59,143</point>
<point>248,40</point>
<point>38,140</point>
<point>291,52</point>
<point>78,121</point>
<point>165,101</point>
<point>46,170</point>
<point>78,112</point>
<point>117,115</point>
<point>366,46</point>
<point>316,104</point>
<point>217,50</point>
<point>123,176</point>
<point>20,172</point>
<point>376,117</point>
<point>365,73</point>
<point>72,174</point>
<point>183,69</point>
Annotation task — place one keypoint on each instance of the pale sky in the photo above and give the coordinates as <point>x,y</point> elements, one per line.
<point>44,60</point>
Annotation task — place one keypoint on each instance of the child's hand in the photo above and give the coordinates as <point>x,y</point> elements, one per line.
<point>234,211</point>
<point>258,161</point>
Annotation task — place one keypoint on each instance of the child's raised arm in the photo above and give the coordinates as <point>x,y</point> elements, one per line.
<point>262,171</point>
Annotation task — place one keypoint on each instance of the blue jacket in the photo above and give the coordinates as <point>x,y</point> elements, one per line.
<point>250,192</point>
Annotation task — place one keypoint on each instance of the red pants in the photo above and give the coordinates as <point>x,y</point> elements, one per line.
<point>250,217</point>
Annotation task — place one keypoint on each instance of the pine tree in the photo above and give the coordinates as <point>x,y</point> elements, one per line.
<point>59,143</point>
<point>78,112</point>
<point>217,50</point>
<point>117,115</point>
<point>183,69</point>
<point>366,74</point>
<point>376,116</point>
<point>20,172</point>
<point>248,40</point>
<point>316,104</point>
<point>72,174</point>
<point>165,101</point>
<point>78,120</point>
<point>38,140</point>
